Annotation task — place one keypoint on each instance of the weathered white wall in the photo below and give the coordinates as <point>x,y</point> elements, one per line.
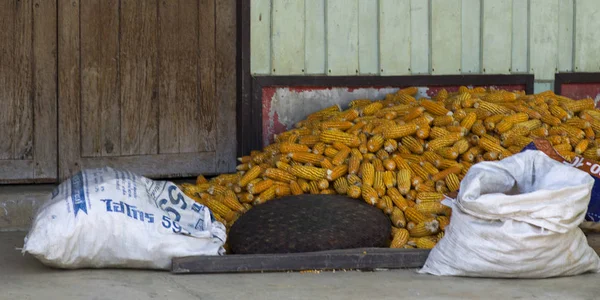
<point>403,37</point>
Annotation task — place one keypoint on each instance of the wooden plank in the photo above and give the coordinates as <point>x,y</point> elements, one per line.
<point>314,37</point>
<point>260,43</point>
<point>226,85</point>
<point>19,171</point>
<point>287,38</point>
<point>23,105</point>
<point>394,37</point>
<point>138,55</point>
<point>207,53</point>
<point>99,73</point>
<point>368,44</point>
<point>7,78</point>
<point>179,164</point>
<point>342,37</point>
<point>44,110</point>
<point>446,36</point>
<point>543,38</point>
<point>187,78</point>
<point>419,37</point>
<point>471,36</point>
<point>169,102</point>
<point>587,36</point>
<point>68,87</point>
<point>565,35</point>
<point>360,258</point>
<point>520,40</point>
<point>497,36</point>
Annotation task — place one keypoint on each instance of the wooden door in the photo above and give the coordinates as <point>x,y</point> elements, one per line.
<point>147,85</point>
<point>28,91</point>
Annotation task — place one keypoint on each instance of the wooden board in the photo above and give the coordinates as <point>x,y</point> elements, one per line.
<point>152,81</point>
<point>446,36</point>
<point>394,37</point>
<point>28,91</point>
<point>520,40</point>
<point>287,37</point>
<point>260,43</point>
<point>471,36</point>
<point>361,259</point>
<point>419,37</point>
<point>496,36</point>
<point>543,39</point>
<point>587,36</point>
<point>342,37</point>
<point>314,35</point>
<point>368,37</point>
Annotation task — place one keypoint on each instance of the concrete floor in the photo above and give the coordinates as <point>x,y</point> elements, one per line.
<point>23,277</point>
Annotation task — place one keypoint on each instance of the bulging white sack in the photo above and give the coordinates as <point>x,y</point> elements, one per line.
<point>517,218</point>
<point>102,218</point>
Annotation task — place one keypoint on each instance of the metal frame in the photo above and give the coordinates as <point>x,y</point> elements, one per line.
<point>562,78</point>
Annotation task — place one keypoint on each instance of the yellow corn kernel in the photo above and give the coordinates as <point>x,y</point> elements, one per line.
<point>353,164</point>
<point>559,112</point>
<point>382,154</point>
<point>490,156</point>
<point>425,243</point>
<point>398,131</point>
<point>326,163</point>
<point>341,156</point>
<point>550,119</point>
<point>563,147</point>
<point>220,209</point>
<point>265,196</point>
<point>354,180</point>
<point>418,170</point>
<point>478,128</point>
<point>245,198</point>
<point>398,218</point>
<point>367,171</point>
<point>582,146</point>
<point>295,188</point>
<point>462,146</point>
<point>390,145</point>
<point>375,143</point>
<point>423,197</point>
<point>504,126</point>
<point>330,152</point>
<point>259,187</point>
<point>253,173</point>
<point>283,190</point>
<point>397,198</point>
<point>425,187</point>
<point>304,185</point>
<point>490,122</point>
<point>337,172</point>
<point>354,191</point>
<point>308,173</point>
<point>372,108</point>
<point>430,168</point>
<point>443,174</point>
<point>369,195</point>
<point>492,107</point>
<point>378,180</point>
<point>414,113</point>
<point>438,132</point>
<point>444,141</point>
<point>578,123</point>
<point>389,164</point>
<point>425,228</point>
<point>516,140</point>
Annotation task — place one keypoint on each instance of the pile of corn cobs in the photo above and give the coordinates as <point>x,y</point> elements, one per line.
<point>401,154</point>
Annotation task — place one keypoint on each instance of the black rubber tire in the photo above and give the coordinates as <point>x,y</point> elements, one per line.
<point>307,223</point>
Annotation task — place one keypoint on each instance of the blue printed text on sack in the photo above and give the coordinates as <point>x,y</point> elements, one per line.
<point>129,210</point>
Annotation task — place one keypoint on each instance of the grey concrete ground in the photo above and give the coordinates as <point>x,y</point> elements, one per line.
<point>22,277</point>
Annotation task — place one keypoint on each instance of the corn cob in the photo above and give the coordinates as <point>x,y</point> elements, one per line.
<point>579,105</point>
<point>492,146</point>
<point>368,174</point>
<point>259,187</point>
<point>389,164</point>
<point>220,209</point>
<point>448,152</point>
<point>330,136</point>
<point>382,154</point>
<point>353,164</point>
<point>490,122</point>
<point>397,198</point>
<point>308,173</point>
<point>305,157</point>
<point>280,175</point>
<point>398,131</point>
<point>287,147</point>
<point>341,185</point>
<point>435,108</point>
<point>337,172</point>
<point>492,108</point>
<point>340,156</point>
<point>369,195</point>
<point>390,145</point>
<point>265,196</point>
<point>444,141</point>
<point>431,208</point>
<point>429,197</point>
<point>425,243</point>
<point>400,238</point>
<point>250,175</point>
<point>469,120</point>
<point>354,191</point>
<point>412,144</point>
<point>412,214</point>
<point>398,218</point>
<point>425,228</point>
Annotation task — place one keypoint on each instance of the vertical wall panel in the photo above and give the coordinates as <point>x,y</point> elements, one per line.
<point>419,37</point>
<point>543,38</point>
<point>587,36</point>
<point>368,44</point>
<point>287,42</point>
<point>394,37</point>
<point>496,36</point>
<point>446,36</point>
<point>314,35</point>
<point>342,37</point>
<point>565,35</point>
<point>471,36</point>
<point>260,37</point>
<point>520,40</point>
